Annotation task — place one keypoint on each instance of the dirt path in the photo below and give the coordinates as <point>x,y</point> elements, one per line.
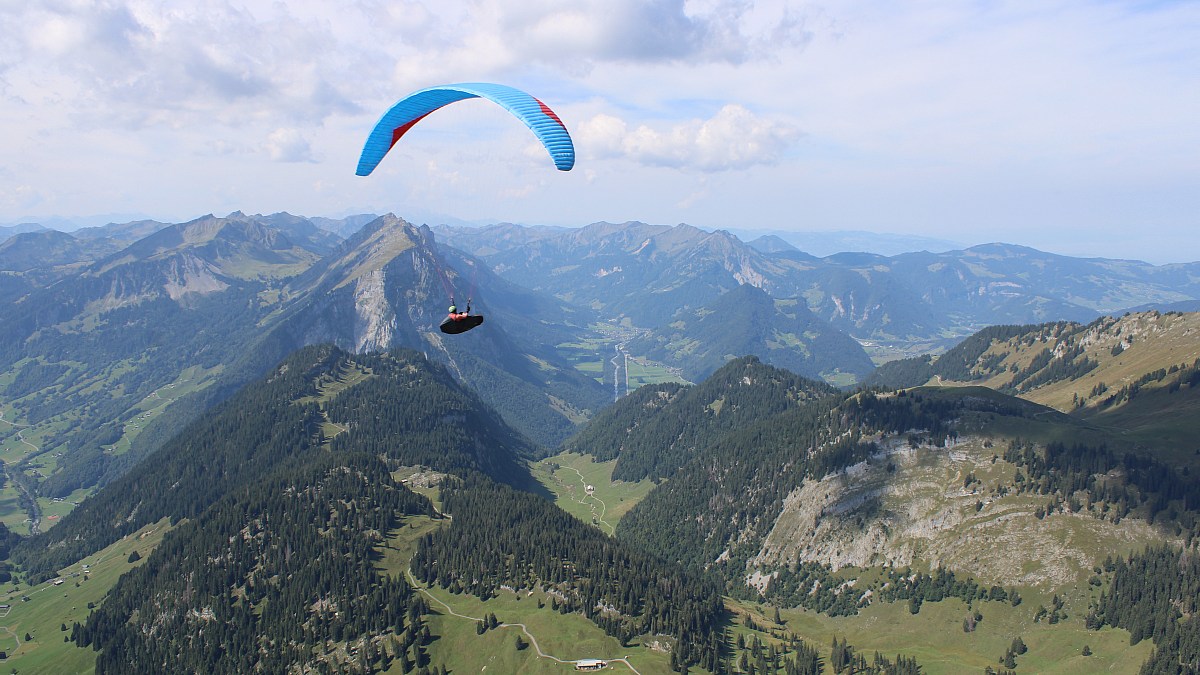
<point>6,629</point>
<point>524,629</point>
<point>603,506</point>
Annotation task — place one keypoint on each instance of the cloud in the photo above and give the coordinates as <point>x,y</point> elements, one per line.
<point>734,138</point>
<point>139,64</point>
<point>145,63</point>
<point>575,36</point>
<point>288,145</point>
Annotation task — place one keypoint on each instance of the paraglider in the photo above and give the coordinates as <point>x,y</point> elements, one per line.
<point>460,322</point>
<point>413,108</point>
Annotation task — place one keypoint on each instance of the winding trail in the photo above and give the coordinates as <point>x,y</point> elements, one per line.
<point>16,637</point>
<point>603,507</point>
<point>524,629</point>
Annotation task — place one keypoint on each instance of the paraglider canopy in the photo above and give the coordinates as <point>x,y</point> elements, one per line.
<point>396,122</point>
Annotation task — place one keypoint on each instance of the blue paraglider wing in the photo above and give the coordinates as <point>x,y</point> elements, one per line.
<point>413,108</point>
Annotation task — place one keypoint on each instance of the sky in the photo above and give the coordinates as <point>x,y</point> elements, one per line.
<point>1068,126</point>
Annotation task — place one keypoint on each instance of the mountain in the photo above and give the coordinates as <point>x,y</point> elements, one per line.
<point>91,353</point>
<point>204,254</point>
<point>344,227</point>
<point>1134,372</point>
<point>769,243</point>
<point>657,429</point>
<point>960,478</point>
<point>821,244</point>
<point>44,256</point>
<point>385,287</point>
<point>647,273</point>
<point>45,248</point>
<point>490,239</point>
<point>745,321</point>
<point>109,362</point>
<point>282,507</point>
<point>7,231</point>
<point>122,234</point>
<point>321,399</point>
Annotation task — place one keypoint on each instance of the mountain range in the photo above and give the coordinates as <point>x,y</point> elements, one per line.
<point>268,408</point>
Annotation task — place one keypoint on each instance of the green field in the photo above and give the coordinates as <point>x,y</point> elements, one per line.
<point>644,371</point>
<point>609,501</point>
<point>50,606</point>
<point>462,650</point>
<point>191,380</point>
<point>936,639</point>
<point>24,448</point>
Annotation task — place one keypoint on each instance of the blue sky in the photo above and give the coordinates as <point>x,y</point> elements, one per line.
<point>1066,126</point>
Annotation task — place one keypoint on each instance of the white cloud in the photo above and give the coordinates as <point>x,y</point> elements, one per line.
<point>921,115</point>
<point>288,145</point>
<point>734,138</point>
<point>574,36</point>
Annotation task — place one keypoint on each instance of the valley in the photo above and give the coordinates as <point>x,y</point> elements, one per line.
<point>42,610</point>
<point>569,476</point>
<point>653,445</point>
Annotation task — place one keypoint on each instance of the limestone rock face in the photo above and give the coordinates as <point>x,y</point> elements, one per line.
<point>920,512</point>
<point>375,320</point>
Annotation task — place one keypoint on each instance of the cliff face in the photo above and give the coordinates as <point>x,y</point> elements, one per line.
<point>910,506</point>
<point>388,286</point>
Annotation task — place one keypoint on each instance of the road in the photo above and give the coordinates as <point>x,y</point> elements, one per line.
<point>617,372</point>
<point>524,629</point>
<point>34,511</point>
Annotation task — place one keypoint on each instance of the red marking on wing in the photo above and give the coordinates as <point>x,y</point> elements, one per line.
<point>550,113</point>
<point>403,129</point>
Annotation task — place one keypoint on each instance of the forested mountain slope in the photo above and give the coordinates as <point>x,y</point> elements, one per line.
<point>282,497</point>
<point>1136,373</point>
<point>747,321</point>
<point>398,405</point>
<point>658,429</point>
<point>274,579</point>
<point>868,479</point>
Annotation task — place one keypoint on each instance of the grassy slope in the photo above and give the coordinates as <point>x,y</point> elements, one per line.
<point>606,505</point>
<point>1158,341</point>
<point>1154,420</point>
<point>51,606</point>
<point>934,636</point>
<point>32,454</point>
<point>462,650</point>
<point>936,639</point>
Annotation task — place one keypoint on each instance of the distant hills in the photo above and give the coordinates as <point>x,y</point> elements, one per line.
<point>746,320</point>
<point>649,274</point>
<point>821,244</point>
<point>99,323</point>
